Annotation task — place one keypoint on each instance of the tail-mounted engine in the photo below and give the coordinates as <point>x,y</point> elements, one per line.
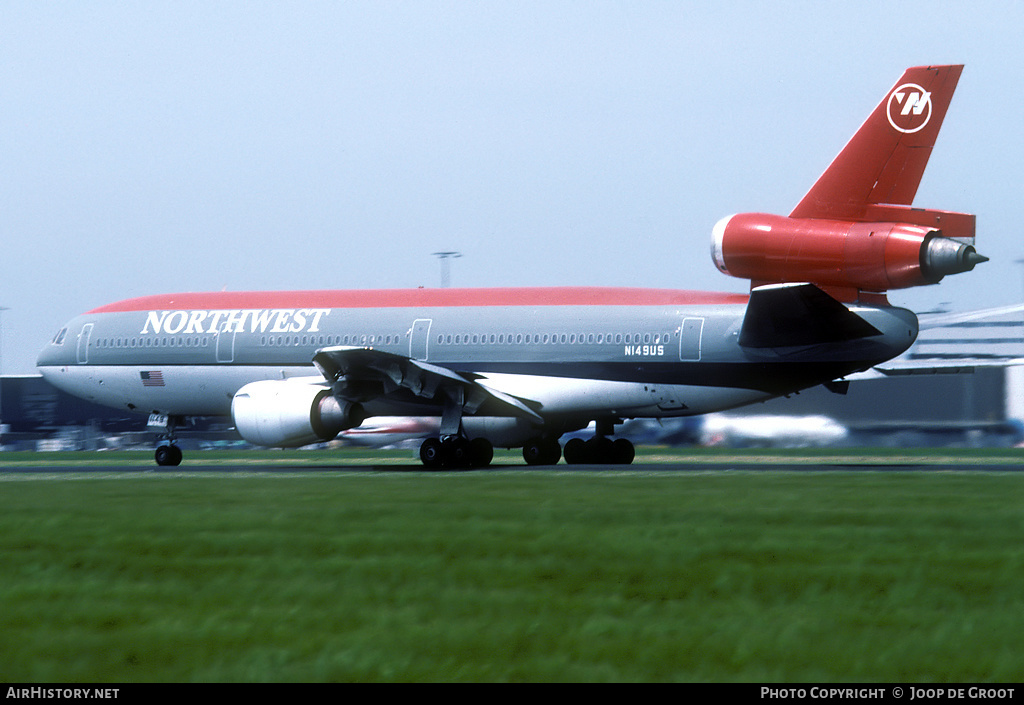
<point>855,231</point>
<point>289,414</point>
<point>851,257</point>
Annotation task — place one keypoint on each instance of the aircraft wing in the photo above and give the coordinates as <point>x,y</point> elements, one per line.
<point>363,373</point>
<point>951,343</point>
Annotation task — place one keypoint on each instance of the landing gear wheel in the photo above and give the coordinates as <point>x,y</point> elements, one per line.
<point>481,452</point>
<point>431,453</point>
<point>599,450</point>
<point>575,451</point>
<point>166,452</point>
<point>623,452</point>
<point>168,455</point>
<point>457,452</point>
<point>542,451</point>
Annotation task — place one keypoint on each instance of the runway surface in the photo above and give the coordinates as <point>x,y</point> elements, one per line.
<point>779,465</point>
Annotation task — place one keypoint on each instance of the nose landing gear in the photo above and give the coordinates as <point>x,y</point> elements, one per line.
<point>167,453</point>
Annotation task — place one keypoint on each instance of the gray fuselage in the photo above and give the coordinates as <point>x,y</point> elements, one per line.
<point>577,354</point>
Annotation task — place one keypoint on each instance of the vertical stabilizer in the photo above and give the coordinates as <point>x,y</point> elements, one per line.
<point>855,233</point>
<point>886,158</point>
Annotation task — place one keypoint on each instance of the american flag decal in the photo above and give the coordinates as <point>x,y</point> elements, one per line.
<point>152,379</point>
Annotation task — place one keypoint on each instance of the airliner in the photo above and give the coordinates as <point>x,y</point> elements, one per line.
<point>520,367</point>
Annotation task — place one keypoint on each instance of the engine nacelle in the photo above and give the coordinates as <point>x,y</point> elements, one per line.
<point>867,256</point>
<point>289,414</point>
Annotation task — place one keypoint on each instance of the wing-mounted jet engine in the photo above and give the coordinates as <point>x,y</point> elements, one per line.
<point>291,414</point>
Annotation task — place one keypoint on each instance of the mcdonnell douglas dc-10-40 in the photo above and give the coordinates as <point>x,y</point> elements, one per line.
<point>521,367</point>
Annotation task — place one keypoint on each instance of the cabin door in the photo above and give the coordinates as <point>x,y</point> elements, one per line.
<point>419,343</point>
<point>689,339</point>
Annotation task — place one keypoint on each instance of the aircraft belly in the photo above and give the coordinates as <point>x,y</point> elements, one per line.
<point>560,396</point>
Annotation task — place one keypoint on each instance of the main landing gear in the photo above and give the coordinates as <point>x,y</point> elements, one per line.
<point>460,453</point>
<point>456,452</point>
<point>453,449</point>
<point>598,450</point>
<point>543,450</point>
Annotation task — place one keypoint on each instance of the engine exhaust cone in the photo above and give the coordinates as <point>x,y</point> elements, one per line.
<point>942,256</point>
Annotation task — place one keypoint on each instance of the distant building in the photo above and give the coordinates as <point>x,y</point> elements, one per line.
<point>913,410</point>
<point>29,404</point>
<point>36,415</point>
<point>978,396</point>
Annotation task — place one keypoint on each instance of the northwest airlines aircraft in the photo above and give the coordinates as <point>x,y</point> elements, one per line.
<point>521,367</point>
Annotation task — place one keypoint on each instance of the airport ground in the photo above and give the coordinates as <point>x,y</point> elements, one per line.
<point>648,457</point>
<point>799,565</point>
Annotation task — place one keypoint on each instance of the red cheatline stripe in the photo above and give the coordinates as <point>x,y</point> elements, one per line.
<point>414,298</point>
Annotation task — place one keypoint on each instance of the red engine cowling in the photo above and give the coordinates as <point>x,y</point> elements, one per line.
<point>875,256</point>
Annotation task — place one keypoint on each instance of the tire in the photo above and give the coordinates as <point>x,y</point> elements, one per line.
<point>575,451</point>
<point>623,452</point>
<point>599,450</point>
<point>431,453</point>
<point>167,455</point>
<point>533,451</point>
<point>552,452</point>
<point>540,451</point>
<point>481,452</point>
<point>457,453</point>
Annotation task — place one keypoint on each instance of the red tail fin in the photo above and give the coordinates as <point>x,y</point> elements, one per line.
<point>855,234</point>
<point>885,160</point>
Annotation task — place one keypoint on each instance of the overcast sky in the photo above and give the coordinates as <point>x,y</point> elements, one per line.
<point>188,146</point>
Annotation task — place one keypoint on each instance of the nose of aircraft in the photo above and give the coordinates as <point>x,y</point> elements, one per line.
<point>59,351</point>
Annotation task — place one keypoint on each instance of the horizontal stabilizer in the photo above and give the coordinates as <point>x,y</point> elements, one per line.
<point>788,315</point>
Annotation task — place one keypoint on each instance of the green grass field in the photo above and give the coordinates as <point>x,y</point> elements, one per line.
<point>912,576</point>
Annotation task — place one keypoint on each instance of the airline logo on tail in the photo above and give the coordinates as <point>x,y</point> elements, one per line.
<point>854,232</point>
<point>909,108</point>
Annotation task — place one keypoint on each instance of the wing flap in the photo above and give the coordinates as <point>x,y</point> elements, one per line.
<point>362,373</point>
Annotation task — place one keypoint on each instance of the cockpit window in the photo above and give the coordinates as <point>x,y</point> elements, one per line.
<point>59,338</point>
